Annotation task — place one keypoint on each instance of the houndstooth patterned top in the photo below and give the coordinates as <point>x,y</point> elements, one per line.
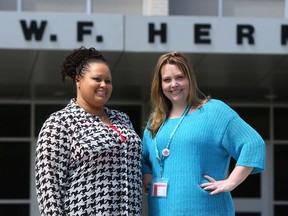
<point>84,167</point>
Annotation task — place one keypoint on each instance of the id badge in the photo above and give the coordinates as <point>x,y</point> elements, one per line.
<point>159,187</point>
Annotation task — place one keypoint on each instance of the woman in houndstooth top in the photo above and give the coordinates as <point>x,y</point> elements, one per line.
<point>87,155</point>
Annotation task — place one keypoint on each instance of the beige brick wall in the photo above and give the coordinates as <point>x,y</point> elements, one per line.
<point>157,7</point>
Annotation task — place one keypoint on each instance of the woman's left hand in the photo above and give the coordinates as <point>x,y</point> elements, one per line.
<point>237,176</point>
<point>217,186</point>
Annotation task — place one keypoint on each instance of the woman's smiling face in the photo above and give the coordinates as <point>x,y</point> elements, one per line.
<point>94,88</point>
<point>175,84</point>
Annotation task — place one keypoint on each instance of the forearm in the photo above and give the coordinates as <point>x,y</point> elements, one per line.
<point>239,174</point>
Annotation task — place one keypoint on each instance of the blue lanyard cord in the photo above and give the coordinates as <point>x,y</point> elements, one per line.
<point>161,160</point>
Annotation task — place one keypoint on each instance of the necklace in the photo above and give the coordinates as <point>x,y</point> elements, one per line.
<point>103,115</point>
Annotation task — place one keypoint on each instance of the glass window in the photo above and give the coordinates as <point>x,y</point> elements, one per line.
<point>250,188</point>
<point>131,7</point>
<point>193,8</point>
<point>15,170</point>
<point>15,120</point>
<point>54,5</point>
<point>42,112</point>
<point>14,209</point>
<point>8,5</point>
<point>258,118</point>
<point>280,123</point>
<point>247,214</point>
<point>253,8</point>
<point>280,172</point>
<point>280,210</point>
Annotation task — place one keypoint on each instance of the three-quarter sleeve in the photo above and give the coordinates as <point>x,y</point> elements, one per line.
<point>244,144</point>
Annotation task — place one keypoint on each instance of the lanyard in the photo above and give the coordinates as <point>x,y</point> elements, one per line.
<point>166,151</point>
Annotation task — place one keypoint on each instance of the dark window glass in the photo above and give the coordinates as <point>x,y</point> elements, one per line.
<point>280,172</point>
<point>8,5</point>
<point>250,188</point>
<point>42,112</point>
<point>280,123</point>
<point>258,118</point>
<point>194,8</point>
<point>134,113</point>
<point>15,120</point>
<point>280,210</point>
<point>14,169</point>
<point>14,209</point>
<point>247,214</point>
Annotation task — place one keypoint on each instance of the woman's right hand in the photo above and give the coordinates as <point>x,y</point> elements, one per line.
<point>146,179</point>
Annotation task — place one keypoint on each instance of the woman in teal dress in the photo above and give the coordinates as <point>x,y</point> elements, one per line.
<point>188,143</point>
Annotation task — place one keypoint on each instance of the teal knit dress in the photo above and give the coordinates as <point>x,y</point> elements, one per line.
<point>203,144</point>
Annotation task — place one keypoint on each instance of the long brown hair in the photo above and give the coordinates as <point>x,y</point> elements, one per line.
<point>161,105</point>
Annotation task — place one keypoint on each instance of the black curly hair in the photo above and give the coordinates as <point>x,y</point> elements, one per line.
<point>77,62</point>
